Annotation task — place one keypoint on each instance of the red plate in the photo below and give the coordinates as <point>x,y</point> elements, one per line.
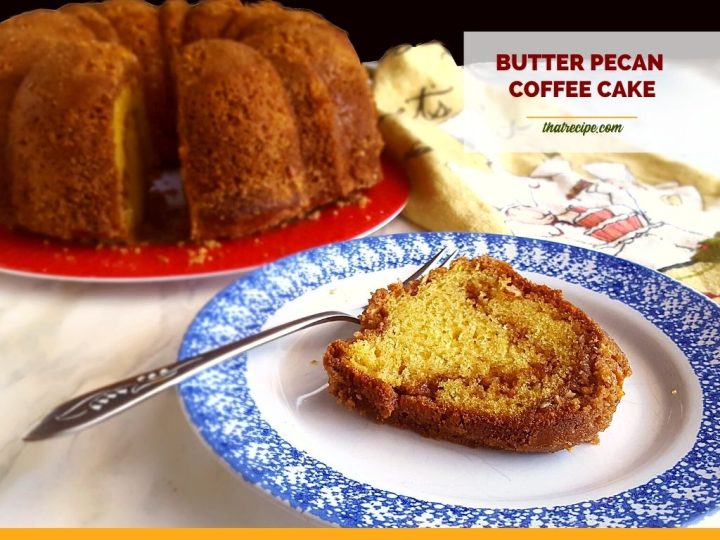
<point>31,255</point>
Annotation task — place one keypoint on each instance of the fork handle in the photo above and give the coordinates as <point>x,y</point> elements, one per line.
<point>103,403</point>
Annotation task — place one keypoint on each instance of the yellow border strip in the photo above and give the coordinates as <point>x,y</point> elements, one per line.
<point>333,533</point>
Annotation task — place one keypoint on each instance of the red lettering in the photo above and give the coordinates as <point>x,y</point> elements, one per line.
<point>576,62</point>
<point>626,89</point>
<point>503,62</point>
<point>585,90</point>
<point>624,62</point>
<point>596,60</point>
<point>602,92</point>
<point>655,61</point>
<point>547,88</point>
<point>513,86</point>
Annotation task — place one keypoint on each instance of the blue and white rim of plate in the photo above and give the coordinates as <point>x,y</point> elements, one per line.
<point>220,406</point>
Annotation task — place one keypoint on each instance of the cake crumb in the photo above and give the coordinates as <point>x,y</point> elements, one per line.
<point>212,244</point>
<point>357,199</point>
<point>313,361</point>
<point>163,259</point>
<point>674,392</point>
<point>314,215</point>
<point>199,256</point>
<point>333,291</point>
<point>136,250</point>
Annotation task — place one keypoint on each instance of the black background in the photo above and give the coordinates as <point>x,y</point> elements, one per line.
<point>376,25</point>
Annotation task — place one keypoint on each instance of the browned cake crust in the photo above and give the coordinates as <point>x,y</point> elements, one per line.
<point>171,16</point>
<point>264,16</point>
<point>323,155</point>
<point>583,405</point>
<point>208,19</point>
<point>172,23</point>
<point>93,20</point>
<point>49,23</point>
<point>24,40</point>
<point>62,147</point>
<point>240,153</point>
<point>339,68</point>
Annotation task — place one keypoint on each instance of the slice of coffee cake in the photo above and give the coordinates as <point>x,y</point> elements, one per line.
<point>478,355</point>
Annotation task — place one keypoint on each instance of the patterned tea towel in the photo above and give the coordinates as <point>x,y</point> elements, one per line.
<point>640,206</point>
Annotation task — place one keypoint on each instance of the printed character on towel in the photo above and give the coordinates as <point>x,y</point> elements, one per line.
<point>611,213</point>
<point>611,226</point>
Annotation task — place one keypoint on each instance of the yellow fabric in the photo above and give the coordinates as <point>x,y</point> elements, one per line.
<point>411,99</point>
<point>419,82</point>
<point>704,277</point>
<point>440,199</point>
<point>417,87</point>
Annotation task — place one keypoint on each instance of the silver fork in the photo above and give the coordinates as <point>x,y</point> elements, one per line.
<point>103,403</point>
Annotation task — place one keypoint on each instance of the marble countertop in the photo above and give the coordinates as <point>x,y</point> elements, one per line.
<point>144,468</point>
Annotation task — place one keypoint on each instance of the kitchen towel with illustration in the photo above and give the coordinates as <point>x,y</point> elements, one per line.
<point>639,206</point>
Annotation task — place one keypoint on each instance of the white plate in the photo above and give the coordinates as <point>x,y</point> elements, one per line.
<point>268,414</point>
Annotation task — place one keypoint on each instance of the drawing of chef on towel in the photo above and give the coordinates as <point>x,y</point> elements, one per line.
<point>611,213</point>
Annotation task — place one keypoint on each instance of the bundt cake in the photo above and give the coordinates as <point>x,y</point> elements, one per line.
<point>266,110</point>
<point>238,140</point>
<point>77,164</point>
<point>478,355</point>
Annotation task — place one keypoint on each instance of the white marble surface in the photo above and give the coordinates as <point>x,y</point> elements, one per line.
<point>144,468</point>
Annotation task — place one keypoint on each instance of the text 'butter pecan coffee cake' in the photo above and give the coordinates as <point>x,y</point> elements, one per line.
<point>478,355</point>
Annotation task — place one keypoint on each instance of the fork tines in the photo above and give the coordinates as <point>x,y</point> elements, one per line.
<point>443,257</point>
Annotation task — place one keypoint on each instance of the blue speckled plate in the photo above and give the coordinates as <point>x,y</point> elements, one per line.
<point>269,416</point>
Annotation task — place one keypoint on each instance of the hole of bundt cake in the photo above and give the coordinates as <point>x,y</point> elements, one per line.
<point>154,209</point>
<point>166,216</point>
